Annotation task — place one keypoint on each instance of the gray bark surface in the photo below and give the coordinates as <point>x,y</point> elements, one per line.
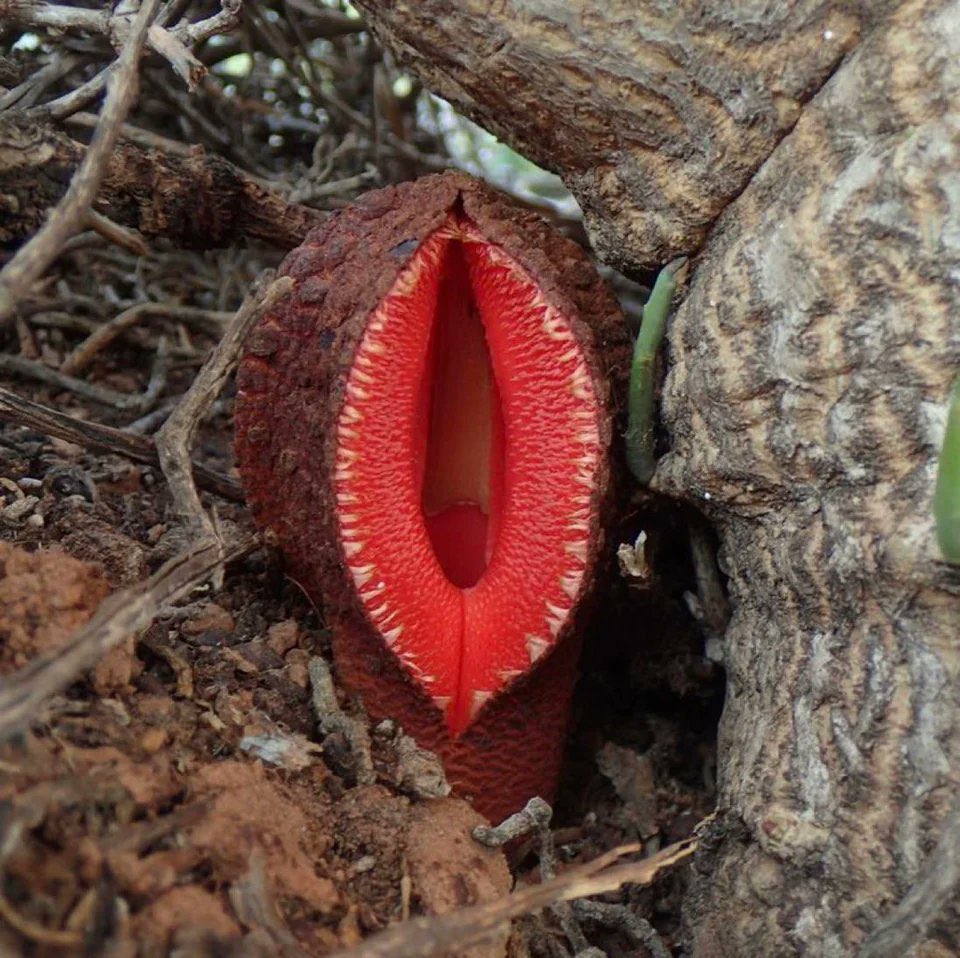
<point>811,365</point>
<point>656,114</point>
<point>810,369</point>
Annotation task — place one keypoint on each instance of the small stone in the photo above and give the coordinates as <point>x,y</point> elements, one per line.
<point>19,508</point>
<point>154,739</point>
<point>259,655</point>
<point>116,669</point>
<point>283,636</point>
<point>385,729</point>
<point>67,481</point>
<point>296,662</point>
<point>211,618</point>
<point>228,709</point>
<point>419,772</point>
<point>156,708</point>
<point>67,450</point>
<point>239,662</point>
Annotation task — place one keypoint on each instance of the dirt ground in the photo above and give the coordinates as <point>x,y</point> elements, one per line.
<point>185,775</point>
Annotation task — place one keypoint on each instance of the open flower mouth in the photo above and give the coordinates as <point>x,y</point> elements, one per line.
<point>460,429</point>
<point>466,456</point>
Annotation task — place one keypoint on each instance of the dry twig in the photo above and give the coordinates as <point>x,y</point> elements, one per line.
<point>70,216</point>
<point>621,917</point>
<point>253,901</point>
<point>24,95</point>
<point>332,720</point>
<point>15,409</point>
<point>422,937</point>
<point>40,14</point>
<point>170,42</point>
<point>33,369</point>
<point>83,354</point>
<point>125,238</point>
<point>135,134</point>
<point>175,437</point>
<point>534,818</point>
<point>31,930</point>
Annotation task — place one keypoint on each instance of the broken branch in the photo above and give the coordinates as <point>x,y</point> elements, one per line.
<point>99,438</point>
<point>422,937</point>
<point>156,186</point>
<point>70,216</point>
<point>175,437</point>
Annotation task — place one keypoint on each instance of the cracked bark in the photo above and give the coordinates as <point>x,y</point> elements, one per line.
<point>656,114</point>
<point>811,365</point>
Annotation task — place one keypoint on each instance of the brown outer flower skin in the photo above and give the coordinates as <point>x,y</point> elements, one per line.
<point>290,389</point>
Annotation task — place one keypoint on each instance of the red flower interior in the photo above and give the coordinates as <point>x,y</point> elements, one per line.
<point>467,447</point>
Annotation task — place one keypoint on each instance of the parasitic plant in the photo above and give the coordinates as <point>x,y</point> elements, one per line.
<point>423,429</point>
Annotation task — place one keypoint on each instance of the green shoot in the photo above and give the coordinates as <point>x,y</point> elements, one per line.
<point>946,496</point>
<point>640,438</point>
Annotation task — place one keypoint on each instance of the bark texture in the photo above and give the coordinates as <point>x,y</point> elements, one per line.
<point>811,367</point>
<point>656,114</point>
<point>198,201</point>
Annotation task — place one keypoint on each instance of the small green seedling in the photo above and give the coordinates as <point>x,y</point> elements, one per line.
<point>946,496</point>
<point>640,438</point>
